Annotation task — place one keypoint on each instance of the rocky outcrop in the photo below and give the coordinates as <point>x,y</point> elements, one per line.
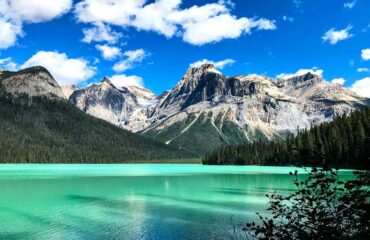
<point>34,81</point>
<point>241,109</point>
<point>205,109</point>
<point>68,90</point>
<point>126,107</point>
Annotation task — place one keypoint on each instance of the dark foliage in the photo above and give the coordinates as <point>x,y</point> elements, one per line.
<point>345,142</point>
<point>323,207</point>
<point>40,130</point>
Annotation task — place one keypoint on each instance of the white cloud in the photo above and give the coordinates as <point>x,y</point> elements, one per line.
<point>197,25</point>
<point>362,87</point>
<point>363,70</point>
<point>350,5</point>
<point>35,11</point>
<point>120,11</point>
<point>121,80</point>
<point>287,19</point>
<point>132,57</point>
<point>13,13</point>
<point>100,33</point>
<point>65,70</point>
<point>340,81</point>
<point>219,64</point>
<point>334,36</point>
<point>8,64</point>
<point>108,52</point>
<point>300,72</point>
<point>8,33</point>
<point>365,54</point>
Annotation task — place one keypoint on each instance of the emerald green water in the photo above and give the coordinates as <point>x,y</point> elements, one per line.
<point>133,201</point>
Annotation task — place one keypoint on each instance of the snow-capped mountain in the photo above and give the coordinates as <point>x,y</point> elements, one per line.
<point>207,109</point>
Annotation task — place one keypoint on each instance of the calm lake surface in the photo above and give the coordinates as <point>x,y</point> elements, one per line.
<point>142,201</point>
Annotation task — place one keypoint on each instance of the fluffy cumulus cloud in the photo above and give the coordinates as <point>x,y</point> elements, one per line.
<point>35,11</point>
<point>100,33</point>
<point>14,13</point>
<point>300,72</point>
<point>65,70</point>
<point>167,18</point>
<point>121,80</point>
<point>132,57</point>
<point>9,31</point>
<point>108,52</point>
<point>333,36</point>
<point>362,87</point>
<point>365,54</point>
<point>340,81</point>
<point>219,64</point>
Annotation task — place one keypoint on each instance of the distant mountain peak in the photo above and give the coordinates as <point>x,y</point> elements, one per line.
<point>33,81</point>
<point>199,70</point>
<point>107,81</point>
<point>205,106</point>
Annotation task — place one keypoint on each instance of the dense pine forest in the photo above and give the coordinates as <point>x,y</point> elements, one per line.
<point>345,142</point>
<point>40,130</point>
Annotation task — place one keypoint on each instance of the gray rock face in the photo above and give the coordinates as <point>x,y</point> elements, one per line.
<point>126,107</point>
<point>68,90</point>
<point>205,109</point>
<point>245,108</point>
<point>34,81</point>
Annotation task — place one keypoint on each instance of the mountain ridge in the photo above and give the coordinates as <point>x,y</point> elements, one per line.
<point>39,127</point>
<point>207,107</point>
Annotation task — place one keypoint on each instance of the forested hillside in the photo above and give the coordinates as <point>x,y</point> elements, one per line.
<point>345,142</point>
<point>42,130</point>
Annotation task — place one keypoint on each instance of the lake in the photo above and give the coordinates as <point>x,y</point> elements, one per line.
<point>142,201</point>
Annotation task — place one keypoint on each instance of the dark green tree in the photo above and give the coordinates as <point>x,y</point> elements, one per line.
<point>323,207</point>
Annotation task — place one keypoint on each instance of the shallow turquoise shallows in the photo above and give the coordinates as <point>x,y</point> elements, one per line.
<point>143,201</point>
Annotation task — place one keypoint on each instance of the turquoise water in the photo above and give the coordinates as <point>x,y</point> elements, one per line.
<point>140,201</point>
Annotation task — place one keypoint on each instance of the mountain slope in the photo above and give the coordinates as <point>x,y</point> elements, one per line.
<point>48,129</point>
<point>125,107</point>
<point>207,109</point>
<point>345,142</point>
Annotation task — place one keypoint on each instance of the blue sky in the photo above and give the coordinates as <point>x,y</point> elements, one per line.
<point>152,43</point>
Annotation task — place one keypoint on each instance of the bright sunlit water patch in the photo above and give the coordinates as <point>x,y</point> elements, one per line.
<point>141,201</point>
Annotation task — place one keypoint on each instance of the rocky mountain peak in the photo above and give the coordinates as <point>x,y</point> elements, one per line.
<point>205,106</point>
<point>68,90</point>
<point>193,74</point>
<point>33,81</point>
<point>199,70</point>
<point>107,81</point>
<point>305,78</point>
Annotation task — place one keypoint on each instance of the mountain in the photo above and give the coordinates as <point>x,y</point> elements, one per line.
<point>39,126</point>
<point>207,109</point>
<point>36,81</point>
<point>342,143</point>
<point>126,107</point>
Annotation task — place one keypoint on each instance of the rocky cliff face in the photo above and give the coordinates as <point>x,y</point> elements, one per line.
<point>68,90</point>
<point>34,81</point>
<point>207,109</point>
<point>126,107</point>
